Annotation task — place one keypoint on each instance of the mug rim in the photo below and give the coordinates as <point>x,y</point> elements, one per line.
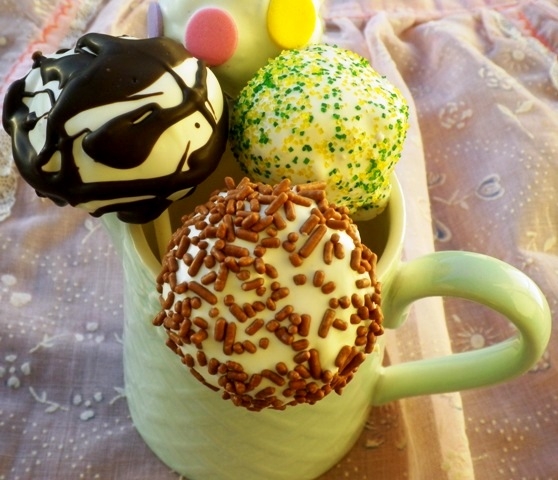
<point>396,212</point>
<point>389,257</point>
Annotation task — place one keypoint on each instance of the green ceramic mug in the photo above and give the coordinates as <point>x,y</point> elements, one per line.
<point>201,436</point>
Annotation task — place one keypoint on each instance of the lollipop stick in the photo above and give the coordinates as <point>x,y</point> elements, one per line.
<point>163,232</point>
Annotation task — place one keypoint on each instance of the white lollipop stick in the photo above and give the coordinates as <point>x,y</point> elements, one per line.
<point>163,232</point>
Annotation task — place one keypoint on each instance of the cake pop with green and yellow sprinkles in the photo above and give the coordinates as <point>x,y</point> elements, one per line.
<point>323,114</point>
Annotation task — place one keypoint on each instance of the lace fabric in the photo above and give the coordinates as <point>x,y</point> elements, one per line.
<point>8,177</point>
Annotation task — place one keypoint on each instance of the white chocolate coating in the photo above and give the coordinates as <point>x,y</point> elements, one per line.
<point>314,311</point>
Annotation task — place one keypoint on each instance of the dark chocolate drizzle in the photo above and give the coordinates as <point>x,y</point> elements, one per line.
<point>106,70</point>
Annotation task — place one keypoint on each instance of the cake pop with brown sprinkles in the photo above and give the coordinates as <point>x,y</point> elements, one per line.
<point>269,296</point>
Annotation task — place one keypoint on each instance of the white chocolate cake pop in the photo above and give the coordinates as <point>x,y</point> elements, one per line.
<point>236,37</point>
<point>269,296</point>
<point>117,124</point>
<point>322,113</point>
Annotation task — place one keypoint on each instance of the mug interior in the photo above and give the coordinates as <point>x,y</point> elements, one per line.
<point>383,234</point>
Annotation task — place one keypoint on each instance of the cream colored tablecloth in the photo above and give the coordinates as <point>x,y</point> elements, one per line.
<point>480,173</point>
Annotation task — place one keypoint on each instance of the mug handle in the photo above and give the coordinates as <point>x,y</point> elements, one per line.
<point>484,280</point>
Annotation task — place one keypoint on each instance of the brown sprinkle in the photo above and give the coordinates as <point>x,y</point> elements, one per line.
<point>188,360</point>
<point>220,329</point>
<point>304,327</point>
<point>243,275</point>
<point>201,358</point>
<point>318,278</point>
<point>245,261</point>
<point>317,185</point>
<point>300,200</point>
<point>249,346</point>
<point>284,313</point>
<point>249,310</point>
<point>266,199</point>
<point>266,392</point>
<point>328,252</point>
<point>229,340</point>
<point>252,284</point>
<point>355,362</point>
<point>250,221</point>
<point>328,288</point>
<point>236,251</point>
<point>289,246</point>
<point>254,326</point>
<point>273,376</point>
<point>203,292</point>
<point>158,320</point>
<point>232,264</point>
<point>345,302</point>
<point>340,324</point>
<point>213,366</point>
<point>339,251</point>
<point>343,356</point>
<point>312,241</point>
<point>209,278</point>
<point>271,242</point>
<point>181,288</point>
<point>279,221</point>
<point>183,246</point>
<point>302,371</point>
<point>356,300</point>
<point>281,368</point>
<point>200,323</point>
<point>316,195</point>
<point>199,337</point>
<point>363,283</point>
<point>258,306</point>
<point>172,345</point>
<point>271,271</point>
<point>270,304</point>
<point>272,325</point>
<point>326,323</point>
<point>314,364</point>
<point>221,280</point>
<point>337,224</point>
<point>247,235</point>
<point>238,312</point>
<point>254,205</point>
<point>284,336</point>
<point>262,224</point>
<point>356,257</point>
<point>283,186</point>
<point>355,319</point>
<point>310,223</point>
<point>302,356</point>
<point>185,330</point>
<point>172,263</point>
<point>277,203</point>
<point>229,183</point>
<point>167,303</point>
<point>290,211</point>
